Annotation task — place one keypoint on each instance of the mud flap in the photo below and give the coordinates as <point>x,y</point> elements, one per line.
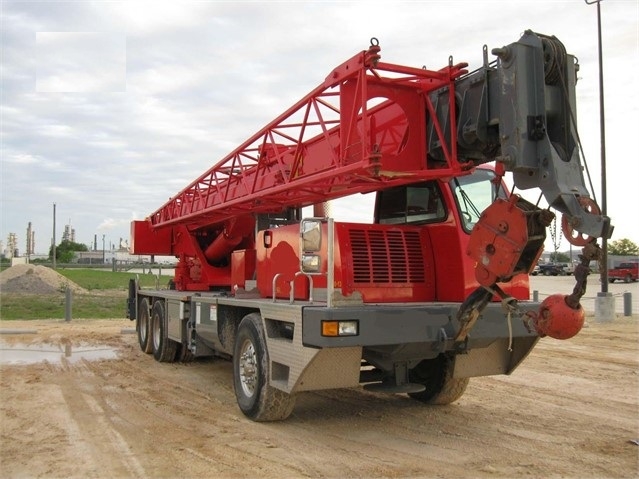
<point>494,359</point>
<point>131,302</point>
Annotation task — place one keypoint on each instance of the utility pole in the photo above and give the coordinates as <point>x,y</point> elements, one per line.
<point>53,241</point>
<point>602,129</point>
<point>103,254</point>
<point>605,306</point>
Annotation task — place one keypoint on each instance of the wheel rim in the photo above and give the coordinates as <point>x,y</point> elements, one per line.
<point>144,327</point>
<point>248,368</point>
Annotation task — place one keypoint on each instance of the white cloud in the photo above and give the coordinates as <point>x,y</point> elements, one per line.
<point>60,131</point>
<point>80,62</point>
<point>110,224</point>
<point>21,159</point>
<point>150,16</point>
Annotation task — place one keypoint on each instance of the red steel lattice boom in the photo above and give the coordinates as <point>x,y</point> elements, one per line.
<point>354,131</point>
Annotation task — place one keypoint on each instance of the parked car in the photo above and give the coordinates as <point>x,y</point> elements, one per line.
<point>568,268</point>
<point>551,269</point>
<point>535,270</point>
<point>626,272</point>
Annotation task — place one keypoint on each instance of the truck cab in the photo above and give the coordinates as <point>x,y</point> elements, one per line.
<point>448,212</point>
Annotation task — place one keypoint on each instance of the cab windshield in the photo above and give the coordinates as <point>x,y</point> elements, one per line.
<point>473,194</point>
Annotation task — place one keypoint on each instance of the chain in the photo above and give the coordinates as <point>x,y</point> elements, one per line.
<point>553,235</point>
<point>590,252</point>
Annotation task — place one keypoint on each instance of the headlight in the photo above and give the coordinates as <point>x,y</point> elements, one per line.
<point>310,263</point>
<point>340,328</point>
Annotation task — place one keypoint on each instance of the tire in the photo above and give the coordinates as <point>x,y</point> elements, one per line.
<point>143,326</point>
<point>611,280</point>
<point>628,279</point>
<point>184,354</point>
<point>437,376</point>
<point>257,399</point>
<point>164,349</point>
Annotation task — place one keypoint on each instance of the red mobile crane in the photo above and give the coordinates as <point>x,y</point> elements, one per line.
<point>423,298</point>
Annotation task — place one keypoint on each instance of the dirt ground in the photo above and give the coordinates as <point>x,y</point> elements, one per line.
<point>571,410</point>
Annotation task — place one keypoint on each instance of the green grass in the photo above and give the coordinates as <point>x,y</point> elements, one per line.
<point>106,299</point>
<point>22,306</point>
<point>92,279</point>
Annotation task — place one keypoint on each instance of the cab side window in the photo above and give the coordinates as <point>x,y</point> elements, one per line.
<point>420,203</point>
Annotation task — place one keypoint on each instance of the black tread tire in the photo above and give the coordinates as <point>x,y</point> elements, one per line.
<point>143,326</point>
<point>437,375</point>
<point>184,354</point>
<point>164,349</point>
<point>628,279</point>
<point>266,403</point>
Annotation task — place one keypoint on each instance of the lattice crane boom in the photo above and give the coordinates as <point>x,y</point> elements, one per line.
<point>335,141</point>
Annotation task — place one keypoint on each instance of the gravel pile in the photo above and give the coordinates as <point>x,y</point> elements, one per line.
<point>27,278</point>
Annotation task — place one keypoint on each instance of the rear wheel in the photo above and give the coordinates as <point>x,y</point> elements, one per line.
<point>628,279</point>
<point>437,376</point>
<point>164,349</point>
<point>255,396</point>
<point>143,326</point>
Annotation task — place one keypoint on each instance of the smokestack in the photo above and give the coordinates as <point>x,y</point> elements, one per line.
<point>30,242</point>
<point>322,210</point>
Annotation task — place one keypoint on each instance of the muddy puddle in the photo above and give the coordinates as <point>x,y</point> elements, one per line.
<point>16,354</point>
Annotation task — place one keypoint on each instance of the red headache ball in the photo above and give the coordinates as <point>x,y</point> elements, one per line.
<point>558,320</point>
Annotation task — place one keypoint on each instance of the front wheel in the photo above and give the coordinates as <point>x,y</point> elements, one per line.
<point>256,398</point>
<point>628,279</point>
<point>437,376</point>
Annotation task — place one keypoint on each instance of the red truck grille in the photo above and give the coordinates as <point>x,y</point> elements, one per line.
<point>386,256</point>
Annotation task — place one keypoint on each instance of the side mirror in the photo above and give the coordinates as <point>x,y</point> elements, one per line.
<point>310,243</point>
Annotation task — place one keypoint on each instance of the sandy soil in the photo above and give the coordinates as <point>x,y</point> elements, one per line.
<point>35,279</point>
<point>570,411</point>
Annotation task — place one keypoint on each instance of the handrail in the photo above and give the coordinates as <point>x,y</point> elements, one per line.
<point>274,281</point>
<point>292,285</point>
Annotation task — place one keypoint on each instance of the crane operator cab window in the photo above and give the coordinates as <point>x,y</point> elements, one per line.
<point>413,204</point>
<point>474,193</point>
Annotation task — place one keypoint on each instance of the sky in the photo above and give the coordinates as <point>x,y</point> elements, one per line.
<point>107,109</point>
